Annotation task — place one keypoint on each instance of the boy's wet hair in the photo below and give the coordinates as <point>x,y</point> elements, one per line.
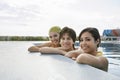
<point>69,31</point>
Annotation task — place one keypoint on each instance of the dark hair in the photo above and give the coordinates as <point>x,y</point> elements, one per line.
<point>70,32</point>
<point>94,32</point>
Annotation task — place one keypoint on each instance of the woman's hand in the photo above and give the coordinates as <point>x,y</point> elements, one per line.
<point>72,54</point>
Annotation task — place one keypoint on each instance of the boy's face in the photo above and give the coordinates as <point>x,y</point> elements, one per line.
<point>66,41</point>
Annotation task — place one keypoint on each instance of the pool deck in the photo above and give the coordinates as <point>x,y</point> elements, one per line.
<point>16,63</point>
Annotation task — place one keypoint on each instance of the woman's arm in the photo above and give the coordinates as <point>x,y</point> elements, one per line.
<point>51,50</point>
<point>33,49</point>
<point>36,48</point>
<point>73,54</point>
<point>98,62</point>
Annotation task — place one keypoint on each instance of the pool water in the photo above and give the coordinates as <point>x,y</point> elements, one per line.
<point>111,49</point>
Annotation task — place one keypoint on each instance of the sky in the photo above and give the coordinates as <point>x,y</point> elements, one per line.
<point>35,17</point>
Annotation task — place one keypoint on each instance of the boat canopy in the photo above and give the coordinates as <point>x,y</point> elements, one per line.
<point>111,32</point>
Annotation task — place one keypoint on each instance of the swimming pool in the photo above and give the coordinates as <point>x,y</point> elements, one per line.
<point>17,63</point>
<point>114,63</point>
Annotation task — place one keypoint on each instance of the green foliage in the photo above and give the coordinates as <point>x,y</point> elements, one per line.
<point>23,38</point>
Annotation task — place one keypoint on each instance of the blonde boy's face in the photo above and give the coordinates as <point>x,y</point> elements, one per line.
<point>87,43</point>
<point>54,37</point>
<point>66,41</point>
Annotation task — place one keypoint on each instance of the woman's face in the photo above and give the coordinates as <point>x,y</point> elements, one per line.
<point>87,43</point>
<point>66,41</point>
<point>54,37</point>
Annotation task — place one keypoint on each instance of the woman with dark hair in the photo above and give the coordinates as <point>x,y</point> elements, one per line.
<point>89,40</point>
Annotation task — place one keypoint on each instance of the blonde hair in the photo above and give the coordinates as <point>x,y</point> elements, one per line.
<point>55,29</point>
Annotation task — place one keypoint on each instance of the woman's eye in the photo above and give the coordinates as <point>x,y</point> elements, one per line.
<point>88,39</point>
<point>68,38</point>
<point>50,36</point>
<point>63,38</point>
